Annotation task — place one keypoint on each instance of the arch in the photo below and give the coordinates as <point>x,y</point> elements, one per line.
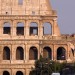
<point>6,53</point>
<point>33,53</point>
<point>19,53</point>
<point>19,73</point>
<point>47,29</point>
<point>6,28</point>
<point>47,52</point>
<point>20,28</point>
<point>61,53</point>
<point>33,28</point>
<point>6,73</point>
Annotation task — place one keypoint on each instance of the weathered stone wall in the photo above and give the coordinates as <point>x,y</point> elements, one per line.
<point>37,11</point>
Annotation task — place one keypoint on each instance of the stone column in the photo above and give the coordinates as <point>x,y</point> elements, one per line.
<point>24,52</point>
<point>27,71</point>
<point>55,53</point>
<point>1,53</point>
<point>14,28</point>
<point>11,32</point>
<point>27,53</point>
<point>24,28</point>
<point>56,31</point>
<point>13,52</point>
<point>40,30</point>
<point>1,28</point>
<point>27,29</point>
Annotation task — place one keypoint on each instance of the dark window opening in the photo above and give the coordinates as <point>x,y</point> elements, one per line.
<point>7,28</point>
<point>47,52</point>
<point>33,53</point>
<point>33,29</point>
<point>61,53</point>
<point>20,2</point>
<point>19,73</point>
<point>47,29</point>
<point>6,73</point>
<point>6,53</point>
<point>19,53</point>
<point>20,29</point>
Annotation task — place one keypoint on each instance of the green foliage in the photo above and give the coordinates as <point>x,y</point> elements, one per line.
<point>45,66</point>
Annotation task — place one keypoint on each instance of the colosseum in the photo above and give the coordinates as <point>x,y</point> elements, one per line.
<point>28,29</point>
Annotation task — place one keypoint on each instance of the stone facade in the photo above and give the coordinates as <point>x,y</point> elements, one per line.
<point>22,44</point>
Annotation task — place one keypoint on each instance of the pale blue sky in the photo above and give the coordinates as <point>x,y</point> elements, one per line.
<point>66,15</point>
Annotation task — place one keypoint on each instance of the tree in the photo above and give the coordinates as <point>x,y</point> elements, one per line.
<point>45,66</point>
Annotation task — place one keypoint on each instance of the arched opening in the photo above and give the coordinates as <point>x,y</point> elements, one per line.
<point>33,28</point>
<point>61,53</point>
<point>33,53</point>
<point>6,53</point>
<point>19,73</point>
<point>47,28</point>
<point>19,53</point>
<point>6,28</point>
<point>20,28</point>
<point>47,52</point>
<point>6,73</point>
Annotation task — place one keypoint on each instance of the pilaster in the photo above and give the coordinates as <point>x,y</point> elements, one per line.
<point>14,28</point>
<point>56,31</point>
<point>1,27</point>
<point>27,29</point>
<point>27,53</point>
<point>40,30</point>
<point>54,53</point>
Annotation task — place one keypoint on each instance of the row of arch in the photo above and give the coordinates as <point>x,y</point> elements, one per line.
<point>17,73</point>
<point>33,53</point>
<point>33,29</point>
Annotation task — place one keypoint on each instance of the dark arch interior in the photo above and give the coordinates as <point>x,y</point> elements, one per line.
<point>20,28</point>
<point>47,52</point>
<point>19,73</point>
<point>6,28</point>
<point>61,53</point>
<point>33,28</point>
<point>6,73</point>
<point>33,54</point>
<point>6,53</point>
<point>19,53</point>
